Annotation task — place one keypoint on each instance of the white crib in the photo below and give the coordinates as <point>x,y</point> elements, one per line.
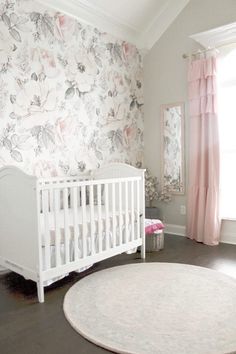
<point>50,227</point>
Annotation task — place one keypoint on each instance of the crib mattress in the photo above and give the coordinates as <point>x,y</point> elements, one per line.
<point>113,238</point>
<point>87,222</point>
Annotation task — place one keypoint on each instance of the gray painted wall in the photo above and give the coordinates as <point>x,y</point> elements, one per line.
<point>165,80</point>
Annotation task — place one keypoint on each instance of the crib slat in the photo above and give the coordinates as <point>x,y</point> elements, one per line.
<point>126,213</point>
<point>99,202</point>
<point>132,210</point>
<point>84,221</point>
<point>75,221</point>
<point>51,199</point>
<point>120,214</point>
<point>107,234</point>
<point>66,225</point>
<point>57,226</point>
<point>45,210</point>
<point>113,215</point>
<point>138,209</point>
<point>92,221</point>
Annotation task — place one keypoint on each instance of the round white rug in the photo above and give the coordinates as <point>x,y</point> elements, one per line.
<point>152,308</point>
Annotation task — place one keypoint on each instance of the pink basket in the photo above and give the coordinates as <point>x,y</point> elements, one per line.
<point>154,235</point>
<point>153,225</point>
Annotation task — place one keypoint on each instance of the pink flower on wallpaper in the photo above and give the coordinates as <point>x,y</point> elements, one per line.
<point>64,27</point>
<point>130,134</point>
<point>130,52</point>
<point>34,103</point>
<point>66,128</point>
<point>43,168</point>
<point>43,61</point>
<point>82,69</point>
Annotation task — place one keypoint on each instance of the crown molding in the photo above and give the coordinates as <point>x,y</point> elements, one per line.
<point>217,37</point>
<point>162,21</point>
<point>94,16</point>
<point>107,16</point>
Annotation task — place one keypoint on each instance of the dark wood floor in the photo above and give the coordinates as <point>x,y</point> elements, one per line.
<point>27,327</point>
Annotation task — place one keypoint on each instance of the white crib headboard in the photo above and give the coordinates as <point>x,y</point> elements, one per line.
<point>18,217</point>
<point>117,170</point>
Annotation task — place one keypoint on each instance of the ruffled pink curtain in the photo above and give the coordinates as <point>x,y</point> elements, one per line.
<point>203,222</point>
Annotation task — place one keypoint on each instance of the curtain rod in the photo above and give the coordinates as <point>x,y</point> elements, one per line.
<point>202,51</point>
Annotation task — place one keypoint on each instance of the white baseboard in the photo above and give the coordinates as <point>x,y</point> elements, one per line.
<point>180,230</point>
<point>228,237</point>
<point>173,229</point>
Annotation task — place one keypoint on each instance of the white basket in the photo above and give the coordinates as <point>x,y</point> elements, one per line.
<point>155,242</point>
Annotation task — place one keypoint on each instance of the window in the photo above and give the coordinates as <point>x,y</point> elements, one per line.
<point>227,129</point>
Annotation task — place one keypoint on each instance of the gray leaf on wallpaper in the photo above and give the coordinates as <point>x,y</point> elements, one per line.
<point>132,104</point>
<point>83,34</point>
<point>42,77</point>
<point>14,19</point>
<point>98,61</point>
<point>36,130</point>
<point>12,115</point>
<point>6,20</point>
<point>44,135</point>
<point>7,143</point>
<point>46,138</point>
<point>46,25</point>
<point>15,34</point>
<point>15,139</point>
<point>61,83</point>
<point>34,77</point>
<point>35,16</point>
<point>99,155</point>
<point>69,93</point>
<point>22,26</point>
<point>13,98</point>
<point>16,155</point>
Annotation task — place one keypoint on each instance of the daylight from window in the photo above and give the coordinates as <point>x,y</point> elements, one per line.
<point>227,129</point>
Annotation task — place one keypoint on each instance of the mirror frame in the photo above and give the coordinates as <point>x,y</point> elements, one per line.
<point>180,189</point>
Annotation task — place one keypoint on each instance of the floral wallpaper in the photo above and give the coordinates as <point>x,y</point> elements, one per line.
<point>71,97</point>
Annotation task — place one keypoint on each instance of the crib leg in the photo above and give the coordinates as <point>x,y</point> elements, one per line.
<point>40,290</point>
<point>143,250</point>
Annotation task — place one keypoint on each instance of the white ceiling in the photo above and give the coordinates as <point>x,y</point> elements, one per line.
<point>141,22</point>
<point>217,37</point>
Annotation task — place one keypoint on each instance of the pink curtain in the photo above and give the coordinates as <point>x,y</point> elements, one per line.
<point>203,222</point>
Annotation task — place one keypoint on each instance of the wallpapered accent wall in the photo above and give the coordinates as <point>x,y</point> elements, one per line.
<point>71,97</point>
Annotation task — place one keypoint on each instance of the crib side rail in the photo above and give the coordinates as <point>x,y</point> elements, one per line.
<point>86,220</point>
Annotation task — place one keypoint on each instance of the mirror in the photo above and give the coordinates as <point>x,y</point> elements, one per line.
<point>172,147</point>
